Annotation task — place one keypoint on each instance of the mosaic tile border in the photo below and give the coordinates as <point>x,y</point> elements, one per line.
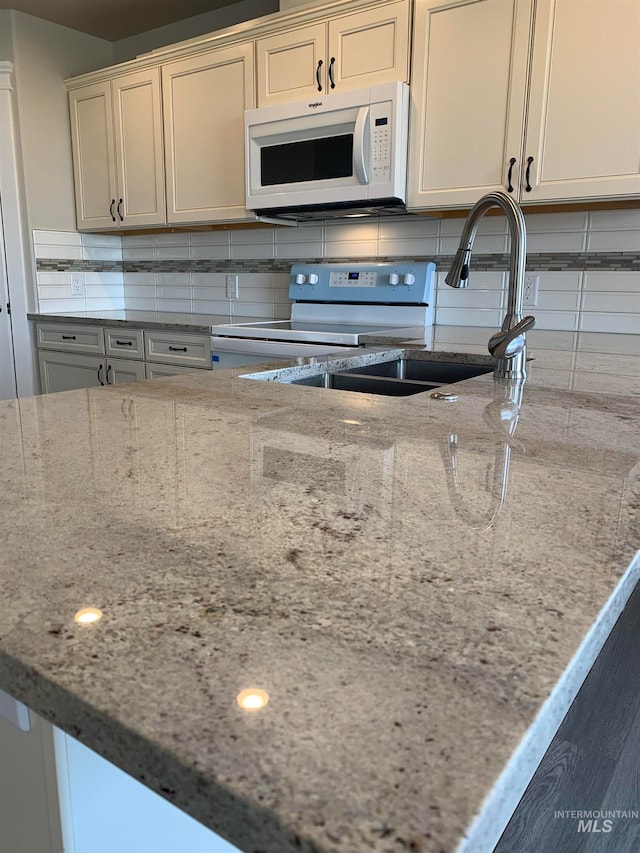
<point>536,262</point>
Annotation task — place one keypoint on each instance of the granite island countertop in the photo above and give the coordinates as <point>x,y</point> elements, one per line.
<point>420,634</point>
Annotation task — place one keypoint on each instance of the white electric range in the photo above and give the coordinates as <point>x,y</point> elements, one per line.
<point>334,306</point>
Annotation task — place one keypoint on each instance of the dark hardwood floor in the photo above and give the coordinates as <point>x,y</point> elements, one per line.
<point>593,763</point>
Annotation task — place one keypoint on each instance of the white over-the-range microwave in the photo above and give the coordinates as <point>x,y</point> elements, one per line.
<point>336,152</point>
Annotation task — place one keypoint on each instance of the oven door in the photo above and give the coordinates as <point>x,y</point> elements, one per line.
<point>237,352</point>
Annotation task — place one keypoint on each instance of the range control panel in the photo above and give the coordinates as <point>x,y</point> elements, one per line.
<point>407,283</point>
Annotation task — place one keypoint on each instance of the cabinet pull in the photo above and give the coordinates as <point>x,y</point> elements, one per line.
<point>318,81</point>
<point>528,174</point>
<point>113,201</point>
<point>512,163</point>
<point>108,372</point>
<point>124,343</point>
<point>100,375</point>
<point>68,337</point>
<point>119,211</point>
<point>331,80</point>
<point>177,349</point>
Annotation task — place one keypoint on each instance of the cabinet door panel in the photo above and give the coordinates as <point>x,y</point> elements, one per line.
<point>583,127</point>
<point>138,133</point>
<point>370,47</point>
<point>60,371</point>
<point>468,97</point>
<point>204,102</point>
<point>287,65</point>
<point>120,370</point>
<point>93,154</point>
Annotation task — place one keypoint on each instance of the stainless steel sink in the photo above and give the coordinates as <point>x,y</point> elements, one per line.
<point>398,378</point>
<point>438,372</point>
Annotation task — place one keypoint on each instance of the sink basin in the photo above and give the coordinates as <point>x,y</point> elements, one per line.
<point>400,377</point>
<point>438,372</point>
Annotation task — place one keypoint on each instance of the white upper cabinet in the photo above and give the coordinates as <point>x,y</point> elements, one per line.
<point>137,114</point>
<point>291,65</point>
<point>468,90</point>
<point>477,84</point>
<point>94,169</point>
<point>116,136</point>
<point>204,98</point>
<point>583,128</point>
<point>347,52</point>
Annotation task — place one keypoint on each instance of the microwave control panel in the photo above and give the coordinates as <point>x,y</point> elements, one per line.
<point>381,142</point>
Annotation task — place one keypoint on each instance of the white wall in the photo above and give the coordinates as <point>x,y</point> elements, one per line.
<point>44,54</point>
<point>199,25</point>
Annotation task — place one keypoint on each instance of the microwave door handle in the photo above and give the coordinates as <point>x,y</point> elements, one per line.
<point>360,139</point>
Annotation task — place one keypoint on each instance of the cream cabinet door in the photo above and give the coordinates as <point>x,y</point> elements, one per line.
<point>468,91</point>
<point>94,167</point>
<point>292,66</point>
<point>137,113</point>
<point>369,47</point>
<point>63,371</point>
<point>204,99</point>
<point>118,370</point>
<point>583,127</point>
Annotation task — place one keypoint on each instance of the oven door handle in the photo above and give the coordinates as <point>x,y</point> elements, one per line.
<point>361,145</point>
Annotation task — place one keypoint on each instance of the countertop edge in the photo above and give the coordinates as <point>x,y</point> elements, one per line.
<point>196,328</point>
<point>491,820</point>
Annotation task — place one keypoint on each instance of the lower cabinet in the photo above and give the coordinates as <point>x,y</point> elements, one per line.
<point>74,357</point>
<point>58,796</point>
<point>63,371</point>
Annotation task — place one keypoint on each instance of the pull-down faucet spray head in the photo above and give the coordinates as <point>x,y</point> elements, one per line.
<point>458,275</point>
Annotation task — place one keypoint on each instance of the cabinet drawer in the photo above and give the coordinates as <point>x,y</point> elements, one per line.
<point>158,371</point>
<point>124,343</point>
<point>172,348</point>
<point>85,339</point>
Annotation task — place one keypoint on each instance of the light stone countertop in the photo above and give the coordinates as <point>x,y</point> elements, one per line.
<point>132,318</point>
<point>420,627</point>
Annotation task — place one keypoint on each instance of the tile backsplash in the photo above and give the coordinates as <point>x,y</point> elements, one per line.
<point>587,263</point>
<point>92,261</point>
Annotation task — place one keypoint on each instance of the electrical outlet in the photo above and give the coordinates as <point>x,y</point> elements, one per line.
<point>77,284</point>
<point>531,290</point>
<point>232,286</point>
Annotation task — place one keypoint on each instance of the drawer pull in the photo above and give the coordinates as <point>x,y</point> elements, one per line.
<point>68,337</point>
<point>100,375</point>
<point>124,343</point>
<point>108,372</point>
<point>177,349</point>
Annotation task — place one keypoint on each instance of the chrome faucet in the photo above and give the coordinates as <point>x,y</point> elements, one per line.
<point>508,346</point>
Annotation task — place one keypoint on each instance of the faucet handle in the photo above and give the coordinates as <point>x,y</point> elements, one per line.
<point>509,342</point>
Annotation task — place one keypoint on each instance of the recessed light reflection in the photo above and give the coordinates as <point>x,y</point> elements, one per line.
<point>354,215</point>
<point>252,699</point>
<point>352,421</point>
<point>88,615</point>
